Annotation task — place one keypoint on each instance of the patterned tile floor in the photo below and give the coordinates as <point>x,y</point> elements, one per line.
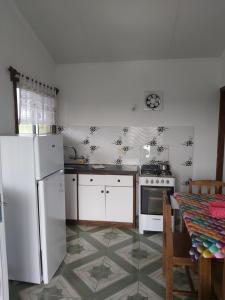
<point>104,263</point>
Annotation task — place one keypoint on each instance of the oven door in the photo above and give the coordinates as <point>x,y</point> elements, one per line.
<point>152,199</point>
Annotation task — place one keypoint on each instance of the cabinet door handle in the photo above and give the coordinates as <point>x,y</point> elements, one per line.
<point>118,180</point>
<point>107,192</point>
<point>91,179</point>
<point>102,191</point>
<point>74,179</point>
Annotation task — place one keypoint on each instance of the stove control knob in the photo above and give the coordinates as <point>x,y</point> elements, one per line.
<point>162,181</point>
<point>152,181</point>
<point>157,181</point>
<point>167,181</point>
<point>146,181</point>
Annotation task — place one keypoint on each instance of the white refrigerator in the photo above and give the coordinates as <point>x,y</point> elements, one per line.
<point>4,288</point>
<point>33,187</point>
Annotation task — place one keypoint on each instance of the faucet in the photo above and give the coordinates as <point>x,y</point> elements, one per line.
<point>74,150</point>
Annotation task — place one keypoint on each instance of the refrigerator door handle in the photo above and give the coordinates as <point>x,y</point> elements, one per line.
<point>3,203</point>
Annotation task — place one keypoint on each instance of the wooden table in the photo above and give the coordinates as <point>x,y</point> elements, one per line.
<point>206,233</point>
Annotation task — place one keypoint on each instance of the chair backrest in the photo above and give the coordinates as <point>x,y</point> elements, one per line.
<point>167,227</point>
<point>205,186</point>
<point>223,188</point>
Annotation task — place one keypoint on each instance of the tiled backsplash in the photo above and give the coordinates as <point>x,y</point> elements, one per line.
<point>122,145</point>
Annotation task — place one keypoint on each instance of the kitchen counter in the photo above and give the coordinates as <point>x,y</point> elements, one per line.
<point>109,169</point>
<point>105,196</point>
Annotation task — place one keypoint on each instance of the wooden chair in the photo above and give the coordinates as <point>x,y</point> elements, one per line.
<point>210,186</point>
<point>176,248</point>
<point>218,275</point>
<point>218,278</point>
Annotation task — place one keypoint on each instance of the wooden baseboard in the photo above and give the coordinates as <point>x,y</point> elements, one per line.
<point>72,222</point>
<point>106,223</point>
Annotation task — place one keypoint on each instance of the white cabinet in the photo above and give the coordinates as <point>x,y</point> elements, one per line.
<point>71,196</point>
<point>119,204</point>
<point>106,198</point>
<point>92,203</point>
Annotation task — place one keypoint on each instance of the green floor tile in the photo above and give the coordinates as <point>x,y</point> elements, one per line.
<point>103,263</point>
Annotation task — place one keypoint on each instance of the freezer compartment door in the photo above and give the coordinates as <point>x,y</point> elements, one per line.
<point>52,223</point>
<point>48,152</point>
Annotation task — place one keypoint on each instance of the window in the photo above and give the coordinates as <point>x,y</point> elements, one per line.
<point>35,104</point>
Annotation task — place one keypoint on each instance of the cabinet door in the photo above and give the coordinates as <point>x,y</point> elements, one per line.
<point>71,196</point>
<point>91,179</point>
<point>119,204</point>
<point>91,203</point>
<point>119,180</point>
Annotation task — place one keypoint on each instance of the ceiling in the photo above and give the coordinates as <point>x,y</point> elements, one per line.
<point>120,30</point>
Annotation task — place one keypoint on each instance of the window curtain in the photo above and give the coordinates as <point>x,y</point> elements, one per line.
<point>36,103</point>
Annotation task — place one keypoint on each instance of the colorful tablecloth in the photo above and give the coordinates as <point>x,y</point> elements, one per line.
<point>207,233</point>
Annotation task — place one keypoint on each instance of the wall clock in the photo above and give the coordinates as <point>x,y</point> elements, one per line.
<point>153,101</point>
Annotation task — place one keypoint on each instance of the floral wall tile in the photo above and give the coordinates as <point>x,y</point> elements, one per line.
<point>122,145</point>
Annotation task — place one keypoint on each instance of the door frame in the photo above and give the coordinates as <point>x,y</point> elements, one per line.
<point>221,136</point>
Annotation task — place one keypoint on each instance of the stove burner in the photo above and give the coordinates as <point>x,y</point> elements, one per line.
<point>154,170</point>
<point>160,174</point>
<point>166,173</point>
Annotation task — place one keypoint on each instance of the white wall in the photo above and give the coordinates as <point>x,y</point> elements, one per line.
<point>20,48</point>
<point>222,69</point>
<point>104,93</point>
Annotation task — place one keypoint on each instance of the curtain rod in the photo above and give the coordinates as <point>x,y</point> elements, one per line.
<point>14,77</point>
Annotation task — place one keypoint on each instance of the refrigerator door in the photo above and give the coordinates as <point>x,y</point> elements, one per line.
<point>52,223</point>
<point>48,153</point>
<point>4,287</point>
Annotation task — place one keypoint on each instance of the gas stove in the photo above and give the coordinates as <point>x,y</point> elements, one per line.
<point>154,180</point>
<point>153,175</point>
